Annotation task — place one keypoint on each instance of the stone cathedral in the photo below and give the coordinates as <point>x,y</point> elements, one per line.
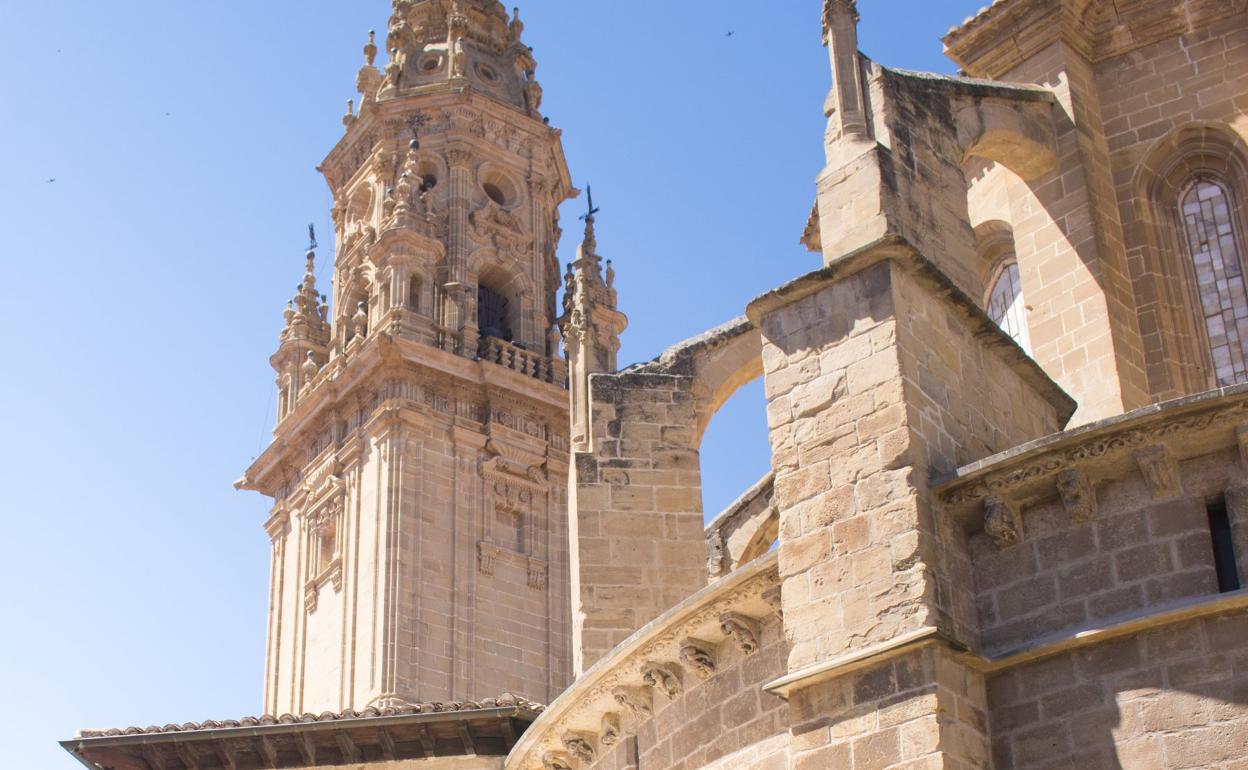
<point>1006,521</point>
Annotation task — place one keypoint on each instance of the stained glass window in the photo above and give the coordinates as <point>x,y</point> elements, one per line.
<point>1210,232</point>
<point>1005,305</point>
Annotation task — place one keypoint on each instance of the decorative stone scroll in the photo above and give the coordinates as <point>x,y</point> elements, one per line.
<point>1078,497</point>
<point>662,678</point>
<point>742,630</point>
<point>1002,522</point>
<point>699,657</point>
<point>1160,471</point>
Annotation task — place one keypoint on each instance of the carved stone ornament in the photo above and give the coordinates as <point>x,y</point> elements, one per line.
<point>485,558</point>
<point>662,678</point>
<point>1043,464</point>
<point>556,760</point>
<point>537,569</point>
<point>1078,498</point>
<point>699,657</point>
<point>714,554</point>
<point>742,630</point>
<point>636,699</point>
<point>1002,522</point>
<point>610,729</point>
<point>1160,471</point>
<point>581,746</point>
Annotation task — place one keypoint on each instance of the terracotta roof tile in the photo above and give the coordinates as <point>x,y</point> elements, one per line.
<point>326,716</point>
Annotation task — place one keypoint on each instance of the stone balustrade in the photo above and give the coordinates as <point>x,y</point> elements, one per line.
<point>526,362</point>
<point>683,647</point>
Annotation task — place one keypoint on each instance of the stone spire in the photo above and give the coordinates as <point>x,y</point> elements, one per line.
<point>591,325</point>
<point>304,340</point>
<point>846,107</point>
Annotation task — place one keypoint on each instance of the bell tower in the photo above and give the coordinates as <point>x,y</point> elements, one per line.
<point>420,459</point>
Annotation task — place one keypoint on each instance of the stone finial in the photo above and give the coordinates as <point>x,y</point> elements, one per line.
<point>1160,471</point>
<point>370,49</point>
<point>1078,497</point>
<point>288,314</point>
<point>516,27</point>
<point>662,678</point>
<point>742,630</point>
<point>846,104</point>
<point>349,116</point>
<point>699,657</point>
<point>1002,522</point>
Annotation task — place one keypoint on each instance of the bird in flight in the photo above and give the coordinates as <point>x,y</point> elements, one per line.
<point>51,180</point>
<point>731,32</point>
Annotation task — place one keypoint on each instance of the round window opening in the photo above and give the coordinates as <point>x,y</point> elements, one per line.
<point>487,72</point>
<point>430,64</point>
<point>495,193</point>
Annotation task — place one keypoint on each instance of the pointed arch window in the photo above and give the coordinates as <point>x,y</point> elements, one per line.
<point>1217,263</point>
<point>1005,303</point>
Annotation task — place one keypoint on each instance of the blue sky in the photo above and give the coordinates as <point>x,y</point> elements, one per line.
<point>144,286</point>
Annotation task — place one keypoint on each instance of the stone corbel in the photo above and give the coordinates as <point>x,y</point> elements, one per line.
<point>311,593</point>
<point>556,760</point>
<point>581,746</point>
<point>636,699</point>
<point>1078,497</point>
<point>1002,522</point>
<point>1160,471</point>
<point>741,629</point>
<point>699,657</point>
<point>610,729</point>
<point>662,678</point>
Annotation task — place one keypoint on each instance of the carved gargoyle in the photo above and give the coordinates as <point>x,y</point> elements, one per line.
<point>742,630</point>
<point>699,657</point>
<point>662,678</point>
<point>1002,522</point>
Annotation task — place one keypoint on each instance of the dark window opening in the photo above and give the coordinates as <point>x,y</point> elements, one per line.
<point>494,193</point>
<point>492,314</point>
<point>1223,547</point>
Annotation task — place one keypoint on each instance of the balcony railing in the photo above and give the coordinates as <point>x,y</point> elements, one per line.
<point>526,362</point>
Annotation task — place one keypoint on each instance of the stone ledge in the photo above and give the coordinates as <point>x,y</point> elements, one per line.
<point>1162,615</point>
<point>1019,470</point>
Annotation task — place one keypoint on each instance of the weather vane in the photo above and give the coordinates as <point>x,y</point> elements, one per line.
<point>589,195</point>
<point>311,237</point>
